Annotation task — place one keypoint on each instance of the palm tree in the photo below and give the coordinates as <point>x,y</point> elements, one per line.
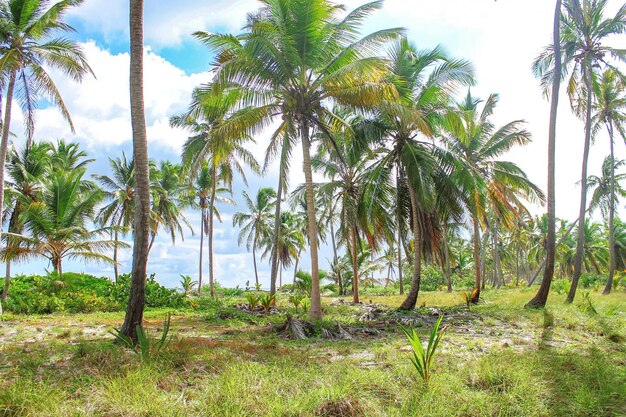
<point>424,80</point>
<point>66,156</point>
<point>27,169</point>
<point>203,185</point>
<point>488,183</point>
<point>136,301</point>
<point>170,196</point>
<point>219,133</point>
<point>255,224</point>
<point>57,225</point>
<point>348,166</point>
<point>291,241</point>
<point>27,51</point>
<point>294,57</point>
<point>540,299</point>
<point>584,31</point>
<point>610,112</point>
<point>119,190</point>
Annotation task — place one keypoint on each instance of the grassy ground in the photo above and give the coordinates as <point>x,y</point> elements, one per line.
<point>497,360</point>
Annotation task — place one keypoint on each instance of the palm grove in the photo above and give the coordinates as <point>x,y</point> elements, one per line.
<point>416,179</point>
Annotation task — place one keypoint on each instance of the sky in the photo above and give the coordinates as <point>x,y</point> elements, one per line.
<point>500,38</point>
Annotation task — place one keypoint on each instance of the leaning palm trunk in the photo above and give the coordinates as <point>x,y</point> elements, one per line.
<point>277,223</point>
<point>580,244</point>
<point>540,299</point>
<point>335,258</point>
<point>211,212</point>
<point>136,301</point>
<point>411,299</point>
<point>4,145</point>
<point>315,309</point>
<point>609,282</point>
<point>256,272</point>
<point>400,278</point>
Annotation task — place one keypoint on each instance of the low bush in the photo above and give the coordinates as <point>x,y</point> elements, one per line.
<point>81,293</point>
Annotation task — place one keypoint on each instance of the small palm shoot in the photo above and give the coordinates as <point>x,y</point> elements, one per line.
<point>253,300</point>
<point>187,284</point>
<point>296,300</point>
<point>267,301</point>
<point>467,298</point>
<point>146,347</point>
<point>423,359</point>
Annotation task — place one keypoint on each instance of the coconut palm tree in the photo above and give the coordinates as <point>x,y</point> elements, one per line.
<point>66,156</point>
<point>57,225</point>
<point>170,196</point>
<point>293,58</point>
<point>218,135</point>
<point>136,301</point>
<point>584,33</point>
<point>27,168</point>
<point>29,48</point>
<point>119,191</point>
<point>424,80</point>
<point>489,184</point>
<point>611,112</point>
<point>540,299</point>
<point>203,185</point>
<point>255,224</point>
<point>291,241</point>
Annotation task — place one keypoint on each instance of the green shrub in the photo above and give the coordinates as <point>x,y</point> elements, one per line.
<point>560,286</point>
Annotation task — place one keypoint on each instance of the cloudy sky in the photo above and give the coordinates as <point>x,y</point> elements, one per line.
<point>501,39</point>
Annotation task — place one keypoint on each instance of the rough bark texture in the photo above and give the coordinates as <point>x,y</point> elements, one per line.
<point>541,297</point>
<point>136,301</point>
<point>400,277</point>
<point>411,299</point>
<point>609,283</point>
<point>315,309</point>
<point>580,242</point>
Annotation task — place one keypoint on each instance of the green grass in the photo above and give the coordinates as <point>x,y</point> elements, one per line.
<point>497,360</point>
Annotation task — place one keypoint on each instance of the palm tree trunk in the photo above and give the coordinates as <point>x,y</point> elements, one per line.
<point>277,223</point>
<point>295,268</point>
<point>136,301</point>
<point>116,268</point>
<point>355,266</point>
<point>4,145</point>
<point>580,250</point>
<point>609,282</point>
<point>411,299</point>
<point>399,221</point>
<point>446,255</point>
<point>316,303</point>
<point>256,273</point>
<point>477,260</point>
<point>202,226</point>
<point>335,257</point>
<point>7,281</point>
<point>211,211</point>
<point>539,300</point>
<point>497,276</point>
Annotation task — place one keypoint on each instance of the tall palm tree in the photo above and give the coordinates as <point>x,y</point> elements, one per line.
<point>291,241</point>
<point>136,301</point>
<point>119,190</point>
<point>57,225</point>
<point>424,81</point>
<point>170,196</point>
<point>348,166</point>
<point>27,168</point>
<point>203,186</point>
<point>255,224</point>
<point>584,32</point>
<point>540,299</point>
<point>293,58</point>
<point>219,132</point>
<point>28,49</point>
<point>489,184</point>
<point>610,112</point>
<point>66,156</point>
